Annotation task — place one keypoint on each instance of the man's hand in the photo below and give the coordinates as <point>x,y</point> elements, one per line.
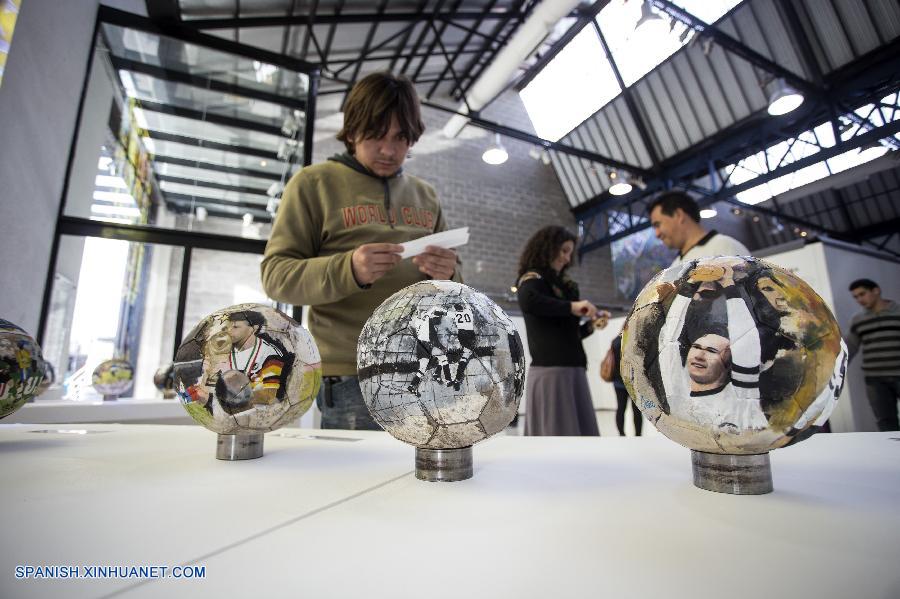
<point>371,261</point>
<point>436,262</point>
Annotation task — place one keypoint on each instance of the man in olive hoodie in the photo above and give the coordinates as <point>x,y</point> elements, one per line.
<point>335,244</point>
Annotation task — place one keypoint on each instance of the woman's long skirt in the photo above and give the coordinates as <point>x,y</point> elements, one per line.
<point>558,402</point>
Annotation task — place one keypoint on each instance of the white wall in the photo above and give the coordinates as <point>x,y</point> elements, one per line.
<point>38,104</point>
<point>829,269</point>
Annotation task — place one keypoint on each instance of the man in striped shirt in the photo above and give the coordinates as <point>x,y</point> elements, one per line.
<point>877,331</point>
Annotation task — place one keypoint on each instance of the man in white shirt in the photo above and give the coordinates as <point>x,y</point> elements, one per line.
<point>675,218</point>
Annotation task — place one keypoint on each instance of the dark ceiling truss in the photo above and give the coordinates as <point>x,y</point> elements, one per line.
<point>457,52</point>
<point>209,166</point>
<point>727,193</point>
<point>213,145</point>
<point>482,123</point>
<point>342,18</point>
<point>865,80</point>
<point>584,17</point>
<point>202,82</point>
<point>365,48</point>
<point>436,34</point>
<point>636,115</point>
<point>211,117</point>
<point>243,189</point>
<point>488,50</point>
<point>237,207</point>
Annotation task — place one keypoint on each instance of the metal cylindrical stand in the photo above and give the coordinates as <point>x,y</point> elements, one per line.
<point>240,447</point>
<point>443,465</point>
<point>729,473</point>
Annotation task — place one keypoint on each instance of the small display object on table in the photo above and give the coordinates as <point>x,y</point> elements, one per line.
<point>441,367</point>
<point>112,378</point>
<point>164,380</point>
<point>22,368</point>
<point>246,370</point>
<point>732,357</point>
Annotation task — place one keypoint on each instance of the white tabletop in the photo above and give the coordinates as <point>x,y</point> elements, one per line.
<point>542,517</point>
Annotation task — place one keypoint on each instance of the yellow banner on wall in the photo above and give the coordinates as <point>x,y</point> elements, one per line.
<point>9,12</point>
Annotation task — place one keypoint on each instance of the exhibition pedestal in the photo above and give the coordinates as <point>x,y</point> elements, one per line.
<point>444,465</point>
<point>729,473</point>
<point>246,446</point>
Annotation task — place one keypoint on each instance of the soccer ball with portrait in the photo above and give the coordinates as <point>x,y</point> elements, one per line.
<point>732,355</point>
<point>440,365</point>
<point>247,368</point>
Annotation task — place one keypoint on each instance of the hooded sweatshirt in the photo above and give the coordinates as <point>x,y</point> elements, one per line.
<point>327,211</point>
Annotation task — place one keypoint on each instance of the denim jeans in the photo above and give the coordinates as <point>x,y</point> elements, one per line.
<point>342,406</point>
<point>883,394</point>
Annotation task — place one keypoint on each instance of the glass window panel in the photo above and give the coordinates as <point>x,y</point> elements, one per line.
<point>126,171</point>
<point>182,56</point>
<point>110,299</point>
<point>220,279</point>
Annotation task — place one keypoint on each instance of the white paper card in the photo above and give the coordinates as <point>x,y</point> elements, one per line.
<point>445,239</point>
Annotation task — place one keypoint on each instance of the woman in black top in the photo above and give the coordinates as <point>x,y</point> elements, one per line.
<point>558,400</point>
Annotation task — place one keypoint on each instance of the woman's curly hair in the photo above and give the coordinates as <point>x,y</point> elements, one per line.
<point>543,248</point>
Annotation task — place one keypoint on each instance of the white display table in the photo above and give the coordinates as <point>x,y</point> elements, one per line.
<point>324,515</point>
<point>131,411</point>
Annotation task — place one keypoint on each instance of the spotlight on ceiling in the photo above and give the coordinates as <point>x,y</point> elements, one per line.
<point>619,184</point>
<point>496,153</point>
<point>650,22</point>
<point>783,98</point>
<point>708,213</point>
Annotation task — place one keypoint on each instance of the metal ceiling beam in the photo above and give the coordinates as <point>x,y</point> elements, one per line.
<point>630,102</point>
<point>585,16</point>
<point>210,184</point>
<point>208,166</point>
<point>456,54</point>
<point>423,32</point>
<point>213,209</point>
<point>164,10</point>
<point>344,18</point>
<point>728,193</point>
<point>364,55</point>
<point>83,227</point>
<point>420,8</point>
<point>205,83</point>
<point>212,202</point>
<point>365,49</point>
<point>187,32</point>
<point>210,117</point>
<point>437,33</point>
<point>205,143</point>
<point>736,47</point>
<point>469,72</point>
<point>544,143</point>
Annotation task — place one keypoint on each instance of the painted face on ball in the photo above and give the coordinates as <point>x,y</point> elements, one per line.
<point>772,292</point>
<point>240,331</point>
<point>708,361</point>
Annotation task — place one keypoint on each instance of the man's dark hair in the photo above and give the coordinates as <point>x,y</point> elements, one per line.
<point>867,283</point>
<point>371,104</point>
<point>543,248</point>
<point>254,319</point>
<point>670,201</point>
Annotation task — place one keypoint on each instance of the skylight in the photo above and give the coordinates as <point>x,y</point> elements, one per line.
<point>571,87</point>
<point>807,144</point>
<point>580,80</point>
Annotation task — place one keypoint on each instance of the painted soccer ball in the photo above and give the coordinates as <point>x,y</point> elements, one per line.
<point>247,368</point>
<point>22,369</point>
<point>113,377</point>
<point>440,365</point>
<point>49,378</point>
<point>732,355</point>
